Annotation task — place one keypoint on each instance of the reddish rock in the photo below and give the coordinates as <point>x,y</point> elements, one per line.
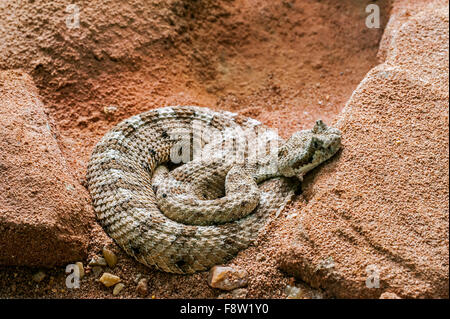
<point>44,212</point>
<point>377,215</point>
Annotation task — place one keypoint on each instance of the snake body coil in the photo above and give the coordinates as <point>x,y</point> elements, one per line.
<point>205,211</point>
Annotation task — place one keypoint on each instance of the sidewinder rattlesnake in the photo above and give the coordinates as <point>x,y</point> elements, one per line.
<point>236,175</point>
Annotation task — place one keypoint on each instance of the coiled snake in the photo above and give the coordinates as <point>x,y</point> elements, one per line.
<point>233,176</point>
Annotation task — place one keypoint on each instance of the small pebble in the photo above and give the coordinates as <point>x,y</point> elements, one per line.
<point>79,264</point>
<point>118,288</point>
<point>389,295</point>
<point>227,278</point>
<point>98,261</point>
<point>109,280</point>
<point>39,276</point>
<point>110,257</point>
<point>142,287</point>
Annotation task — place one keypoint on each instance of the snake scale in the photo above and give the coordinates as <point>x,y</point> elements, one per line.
<point>184,188</point>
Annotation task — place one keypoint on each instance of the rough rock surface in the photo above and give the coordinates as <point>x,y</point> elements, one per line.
<point>378,216</point>
<point>43,210</point>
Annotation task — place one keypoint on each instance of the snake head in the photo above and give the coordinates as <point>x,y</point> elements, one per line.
<point>307,149</point>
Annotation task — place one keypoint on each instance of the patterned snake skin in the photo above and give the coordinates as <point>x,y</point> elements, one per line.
<point>232,178</point>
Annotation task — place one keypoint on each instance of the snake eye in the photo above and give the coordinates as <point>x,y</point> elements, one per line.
<point>164,195</point>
